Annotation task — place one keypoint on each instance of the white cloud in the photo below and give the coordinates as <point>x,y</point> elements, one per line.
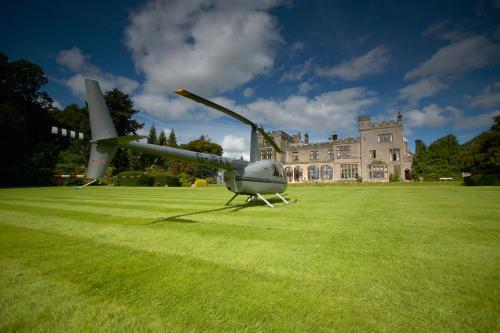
<point>204,46</point>
<point>334,109</point>
<point>248,92</point>
<point>435,116</point>
<point>73,59</point>
<point>461,56</point>
<point>235,147</point>
<point>304,88</point>
<point>180,108</point>
<point>298,72</point>
<point>56,104</point>
<point>489,98</point>
<point>370,63</point>
<point>422,88</point>
<point>79,63</point>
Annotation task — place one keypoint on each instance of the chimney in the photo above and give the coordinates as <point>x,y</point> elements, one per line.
<point>306,138</point>
<point>399,116</point>
<point>333,137</point>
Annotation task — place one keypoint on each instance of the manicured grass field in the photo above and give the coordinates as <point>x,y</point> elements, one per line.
<point>391,257</point>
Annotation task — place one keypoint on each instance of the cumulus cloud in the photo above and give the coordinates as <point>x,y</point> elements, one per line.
<point>79,64</point>
<point>235,147</point>
<point>488,99</point>
<point>420,89</point>
<point>205,46</point>
<point>370,63</point>
<point>333,109</point>
<point>435,116</point>
<point>460,56</point>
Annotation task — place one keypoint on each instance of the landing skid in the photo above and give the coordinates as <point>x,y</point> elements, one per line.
<point>91,182</point>
<point>256,197</point>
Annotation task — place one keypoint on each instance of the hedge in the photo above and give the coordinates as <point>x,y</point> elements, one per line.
<point>482,180</point>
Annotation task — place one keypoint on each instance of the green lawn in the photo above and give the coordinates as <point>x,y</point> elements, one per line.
<point>391,257</point>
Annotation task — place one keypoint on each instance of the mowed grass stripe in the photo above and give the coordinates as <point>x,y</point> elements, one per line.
<point>207,297</point>
<point>374,258</point>
<point>51,298</point>
<point>263,255</point>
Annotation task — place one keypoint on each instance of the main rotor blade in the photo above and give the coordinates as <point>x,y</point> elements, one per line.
<point>233,114</point>
<point>222,109</point>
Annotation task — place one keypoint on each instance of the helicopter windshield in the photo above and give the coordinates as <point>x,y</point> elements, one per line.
<point>277,171</point>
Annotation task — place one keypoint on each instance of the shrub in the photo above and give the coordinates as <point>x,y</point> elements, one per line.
<point>394,177</point>
<point>200,183</point>
<point>482,180</point>
<point>185,180</point>
<point>135,178</point>
<point>168,180</point>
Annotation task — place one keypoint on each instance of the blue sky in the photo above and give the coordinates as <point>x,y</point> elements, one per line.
<point>308,66</point>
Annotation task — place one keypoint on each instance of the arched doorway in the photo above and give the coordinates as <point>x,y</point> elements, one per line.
<point>297,173</point>
<point>326,172</point>
<point>313,172</point>
<point>289,174</point>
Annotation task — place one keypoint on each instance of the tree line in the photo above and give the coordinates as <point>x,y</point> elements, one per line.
<point>32,155</point>
<point>445,157</point>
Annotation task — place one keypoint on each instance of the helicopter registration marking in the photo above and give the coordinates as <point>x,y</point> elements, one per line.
<point>213,160</point>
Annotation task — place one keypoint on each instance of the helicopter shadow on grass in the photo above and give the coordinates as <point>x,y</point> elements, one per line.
<point>231,208</point>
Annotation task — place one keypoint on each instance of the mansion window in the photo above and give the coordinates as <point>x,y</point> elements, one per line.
<point>373,154</point>
<point>314,155</point>
<point>266,154</point>
<point>265,142</point>
<point>378,171</point>
<point>326,172</point>
<point>295,156</point>
<point>297,173</point>
<point>343,151</point>
<point>331,155</point>
<point>384,137</point>
<point>313,172</point>
<point>394,154</point>
<point>349,171</point>
<point>289,173</point>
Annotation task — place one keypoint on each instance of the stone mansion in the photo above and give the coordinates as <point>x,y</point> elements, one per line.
<point>380,150</point>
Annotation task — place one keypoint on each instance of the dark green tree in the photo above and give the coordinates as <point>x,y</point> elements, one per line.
<point>152,137</point>
<point>481,155</point>
<point>441,159</point>
<point>162,139</point>
<point>122,111</point>
<point>28,155</point>
<point>201,145</point>
<point>172,139</point>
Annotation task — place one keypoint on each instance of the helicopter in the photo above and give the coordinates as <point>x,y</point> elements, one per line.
<point>253,178</point>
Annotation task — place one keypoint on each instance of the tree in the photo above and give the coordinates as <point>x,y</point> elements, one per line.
<point>481,155</point>
<point>201,145</point>
<point>76,118</point>
<point>28,155</point>
<point>122,110</point>
<point>172,139</point>
<point>162,139</point>
<point>441,159</point>
<point>152,137</point>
